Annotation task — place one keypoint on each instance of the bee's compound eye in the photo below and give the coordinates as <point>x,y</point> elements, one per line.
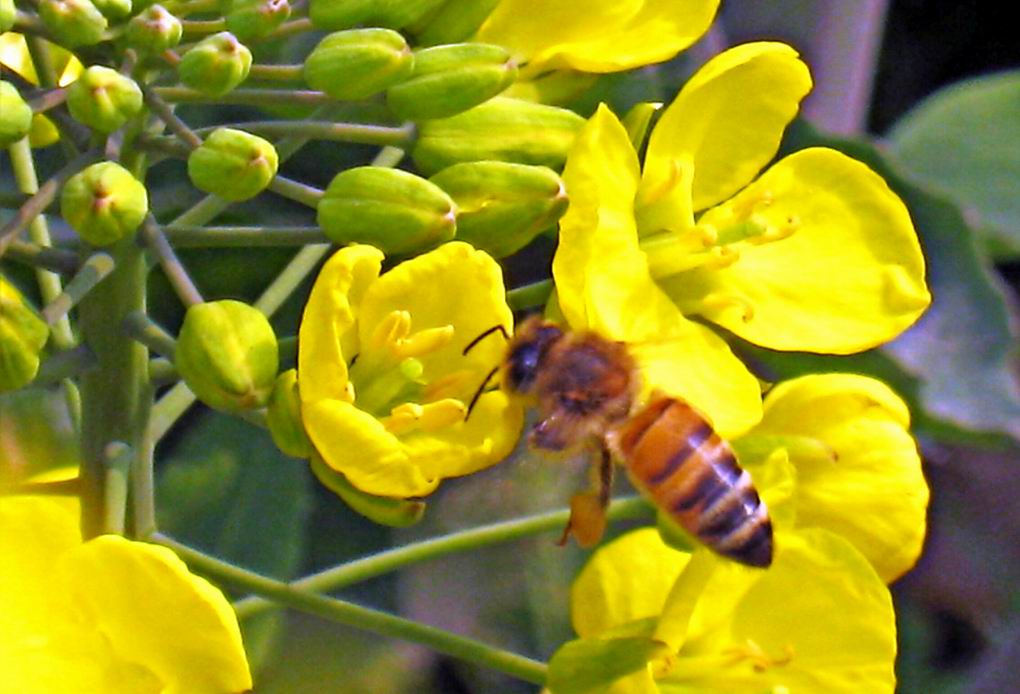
<point>523,366</point>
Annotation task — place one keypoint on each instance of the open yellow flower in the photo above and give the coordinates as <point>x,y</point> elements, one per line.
<point>858,471</point>
<point>817,254</point>
<point>383,379</point>
<point>107,615</point>
<point>653,620</point>
<point>596,36</point>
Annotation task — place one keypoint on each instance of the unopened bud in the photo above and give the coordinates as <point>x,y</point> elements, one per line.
<point>113,9</point>
<point>73,22</point>
<point>501,207</point>
<point>284,417</point>
<point>455,21</point>
<point>227,355</point>
<point>254,19</point>
<point>154,30</point>
<point>384,510</point>
<point>7,15</point>
<point>233,164</point>
<point>449,79</point>
<point>216,64</point>
<point>15,115</point>
<point>393,14</point>
<point>390,209</point>
<point>501,129</point>
<point>357,64</point>
<point>22,336</point>
<point>103,99</point>
<point>104,203</point>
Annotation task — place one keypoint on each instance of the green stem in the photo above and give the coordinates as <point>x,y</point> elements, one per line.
<point>294,190</point>
<point>296,26</point>
<point>162,372</point>
<point>93,271</point>
<point>300,266</point>
<point>175,124</point>
<point>282,73</point>
<point>182,236</point>
<point>530,295</point>
<point>364,618</point>
<point>118,460</point>
<point>65,365</point>
<point>116,396</point>
<point>52,259</point>
<point>140,327</point>
<point>474,538</point>
<point>203,27</point>
<point>47,100</point>
<point>360,133</point>
<point>175,273</point>
<point>245,97</point>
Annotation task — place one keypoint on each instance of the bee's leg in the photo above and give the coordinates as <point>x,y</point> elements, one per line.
<point>588,509</point>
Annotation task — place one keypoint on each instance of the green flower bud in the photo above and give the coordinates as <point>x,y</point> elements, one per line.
<point>22,336</point>
<point>501,207</point>
<point>7,14</point>
<point>227,355</point>
<point>384,510</point>
<point>154,30</point>
<point>104,203</point>
<point>113,9</point>
<point>103,99</point>
<point>254,19</point>
<point>284,417</point>
<point>357,64</point>
<point>390,209</point>
<point>233,164</point>
<point>501,129</point>
<point>15,115</point>
<point>73,22</point>
<point>455,21</point>
<point>216,64</point>
<point>393,14</point>
<point>449,79</point>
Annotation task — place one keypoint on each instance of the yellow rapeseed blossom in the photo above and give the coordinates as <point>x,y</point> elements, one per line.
<point>596,36</point>
<point>653,620</point>
<point>107,615</point>
<point>857,469</point>
<point>817,254</point>
<point>383,380</point>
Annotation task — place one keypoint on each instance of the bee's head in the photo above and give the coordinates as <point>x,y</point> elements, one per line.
<point>526,353</point>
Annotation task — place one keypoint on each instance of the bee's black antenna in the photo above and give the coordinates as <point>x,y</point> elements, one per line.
<point>481,389</point>
<point>494,329</point>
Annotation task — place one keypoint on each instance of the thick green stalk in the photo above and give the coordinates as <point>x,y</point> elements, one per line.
<point>116,395</point>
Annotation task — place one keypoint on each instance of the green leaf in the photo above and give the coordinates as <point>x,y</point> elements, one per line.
<point>228,491</point>
<point>963,140</point>
<point>956,365</point>
<point>587,666</point>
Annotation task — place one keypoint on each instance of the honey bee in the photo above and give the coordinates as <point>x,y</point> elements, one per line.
<point>584,388</point>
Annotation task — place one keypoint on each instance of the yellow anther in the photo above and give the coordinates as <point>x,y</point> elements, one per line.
<point>708,234</point>
<point>722,256</point>
<point>390,330</point>
<point>675,177</point>
<point>663,665</point>
<point>411,416</point>
<point>719,302</point>
<point>759,659</point>
<point>423,342</point>
<point>753,204</point>
<point>449,384</point>
<point>773,232</point>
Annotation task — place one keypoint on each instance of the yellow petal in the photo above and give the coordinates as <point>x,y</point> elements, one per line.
<point>326,339</point>
<point>818,620</point>
<point>154,611</point>
<point>357,445</point>
<point>727,121</point>
<point>452,285</point>
<point>625,580</point>
<point>603,284</point>
<point>873,491</point>
<point>850,277</point>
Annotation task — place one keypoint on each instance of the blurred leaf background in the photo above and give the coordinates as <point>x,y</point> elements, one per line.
<point>927,92</point>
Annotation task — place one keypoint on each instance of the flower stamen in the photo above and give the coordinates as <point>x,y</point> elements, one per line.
<point>411,416</point>
<point>717,302</point>
<point>759,659</point>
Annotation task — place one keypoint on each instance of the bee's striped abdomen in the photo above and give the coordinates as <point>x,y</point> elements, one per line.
<point>690,472</point>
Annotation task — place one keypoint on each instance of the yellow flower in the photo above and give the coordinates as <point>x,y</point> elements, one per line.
<point>383,380</point>
<point>14,56</point>
<point>107,615</point>
<point>817,254</point>
<point>652,620</point>
<point>596,36</point>
<point>858,472</point>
